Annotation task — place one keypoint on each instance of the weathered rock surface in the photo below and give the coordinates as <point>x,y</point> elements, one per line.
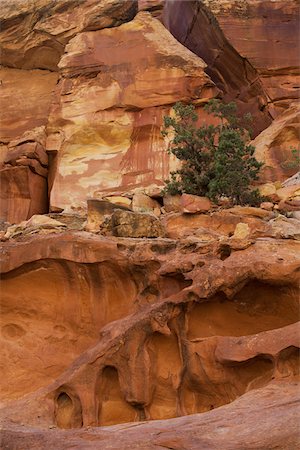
<point>266,33</point>
<point>194,203</point>
<point>136,225</point>
<point>163,297</point>
<point>274,146</point>
<point>265,419</point>
<point>23,193</point>
<point>194,25</point>
<point>185,325</point>
<point>107,118</point>
<point>33,34</point>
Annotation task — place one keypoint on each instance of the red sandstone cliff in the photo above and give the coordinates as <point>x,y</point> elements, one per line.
<point>177,319</point>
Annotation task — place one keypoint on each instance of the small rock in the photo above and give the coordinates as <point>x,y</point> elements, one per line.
<point>143,203</point>
<point>172,203</point>
<point>268,206</point>
<point>136,225</point>
<point>242,231</point>
<point>119,200</point>
<point>194,204</point>
<point>267,189</point>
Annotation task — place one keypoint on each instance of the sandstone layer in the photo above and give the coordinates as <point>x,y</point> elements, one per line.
<point>267,34</point>
<point>225,314</point>
<point>194,25</point>
<point>129,318</point>
<point>270,414</point>
<point>252,48</point>
<point>107,120</point>
<point>274,146</point>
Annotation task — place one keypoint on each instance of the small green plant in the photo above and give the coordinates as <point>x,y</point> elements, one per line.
<point>216,159</point>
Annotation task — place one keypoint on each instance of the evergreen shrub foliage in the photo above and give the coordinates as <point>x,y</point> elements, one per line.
<point>216,159</point>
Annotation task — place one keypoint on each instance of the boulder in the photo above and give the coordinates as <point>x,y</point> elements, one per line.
<point>33,225</point>
<point>136,225</point>
<point>268,206</point>
<point>242,231</point>
<point>251,212</point>
<point>193,203</point>
<point>285,228</point>
<point>119,200</point>
<point>143,203</point>
<point>97,210</point>
<point>172,203</point>
<point>267,189</point>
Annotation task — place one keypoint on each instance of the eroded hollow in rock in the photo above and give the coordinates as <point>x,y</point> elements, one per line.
<point>113,407</point>
<point>68,412</point>
<point>213,385</point>
<point>166,366</point>
<point>255,308</point>
<point>59,306</point>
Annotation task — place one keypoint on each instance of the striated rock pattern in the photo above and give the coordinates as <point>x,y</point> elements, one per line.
<point>252,47</point>
<point>100,98</point>
<point>173,316</point>
<point>194,25</point>
<point>267,34</point>
<point>109,112</point>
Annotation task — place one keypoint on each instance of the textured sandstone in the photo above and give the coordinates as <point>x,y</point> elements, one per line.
<point>274,146</point>
<point>192,338</point>
<point>193,24</point>
<point>267,34</point>
<point>194,203</point>
<point>107,117</point>
<point>135,225</point>
<point>242,298</point>
<point>266,418</point>
<point>23,193</point>
<point>143,203</point>
<point>97,210</point>
<point>34,33</point>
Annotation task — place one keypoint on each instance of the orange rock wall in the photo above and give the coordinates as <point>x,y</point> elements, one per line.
<point>92,81</point>
<point>155,330</point>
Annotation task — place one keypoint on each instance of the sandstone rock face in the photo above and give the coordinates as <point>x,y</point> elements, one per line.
<point>34,34</point>
<point>107,118</point>
<point>194,25</point>
<point>194,203</point>
<point>269,414</point>
<point>182,330</point>
<point>183,327</point>
<point>274,146</point>
<point>102,121</point>
<point>23,193</point>
<point>267,34</point>
<point>25,105</point>
<point>135,225</point>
